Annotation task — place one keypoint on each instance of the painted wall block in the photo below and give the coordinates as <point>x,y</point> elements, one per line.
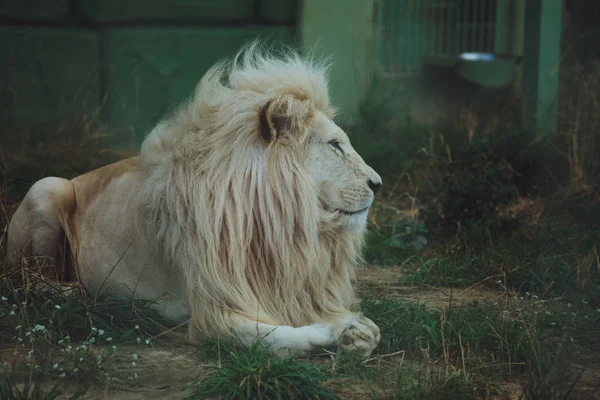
<point>48,76</point>
<point>150,71</point>
<point>34,10</point>
<point>176,10</point>
<point>279,11</point>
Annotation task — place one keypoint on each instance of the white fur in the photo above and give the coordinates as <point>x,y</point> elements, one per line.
<point>235,214</point>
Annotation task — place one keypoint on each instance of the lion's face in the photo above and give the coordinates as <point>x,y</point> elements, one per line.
<point>346,184</point>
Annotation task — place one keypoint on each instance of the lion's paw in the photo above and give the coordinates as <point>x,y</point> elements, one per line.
<point>360,337</point>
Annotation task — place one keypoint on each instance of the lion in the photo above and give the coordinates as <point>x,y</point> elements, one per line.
<point>243,215</point>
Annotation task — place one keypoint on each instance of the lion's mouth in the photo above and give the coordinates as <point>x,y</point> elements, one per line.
<point>345,212</point>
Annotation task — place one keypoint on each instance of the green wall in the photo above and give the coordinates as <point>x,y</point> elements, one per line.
<point>341,30</point>
<point>120,63</point>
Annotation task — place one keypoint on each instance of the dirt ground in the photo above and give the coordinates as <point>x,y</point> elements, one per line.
<point>166,371</point>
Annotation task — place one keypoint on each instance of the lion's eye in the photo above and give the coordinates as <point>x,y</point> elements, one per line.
<point>336,146</point>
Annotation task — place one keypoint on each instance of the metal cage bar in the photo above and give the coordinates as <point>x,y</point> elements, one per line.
<point>408,30</point>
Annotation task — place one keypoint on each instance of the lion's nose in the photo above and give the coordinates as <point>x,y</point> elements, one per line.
<point>374,185</point>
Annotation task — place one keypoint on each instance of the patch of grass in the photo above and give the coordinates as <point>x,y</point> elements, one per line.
<point>531,340</point>
<point>34,390</point>
<point>554,258</point>
<point>473,335</point>
<point>434,382</point>
<point>549,375</point>
<point>442,270</point>
<point>28,299</point>
<point>254,373</point>
<point>64,340</point>
<point>393,241</point>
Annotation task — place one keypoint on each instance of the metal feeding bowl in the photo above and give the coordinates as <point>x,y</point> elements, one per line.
<point>487,69</point>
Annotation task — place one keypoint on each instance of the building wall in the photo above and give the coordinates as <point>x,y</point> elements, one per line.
<point>121,63</point>
<point>342,31</point>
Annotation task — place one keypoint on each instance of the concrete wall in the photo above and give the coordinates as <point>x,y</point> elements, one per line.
<point>341,30</point>
<point>123,63</point>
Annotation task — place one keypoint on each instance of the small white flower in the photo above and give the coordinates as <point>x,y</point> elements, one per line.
<point>75,369</point>
<point>62,375</point>
<point>133,364</point>
<point>17,327</point>
<point>134,356</point>
<point>109,339</point>
<point>552,323</point>
<point>57,307</point>
<point>55,366</point>
<point>3,298</point>
<point>569,305</point>
<point>100,332</point>
<point>12,313</point>
<point>80,359</point>
<point>147,342</point>
<point>137,327</point>
<point>114,348</point>
<point>94,329</point>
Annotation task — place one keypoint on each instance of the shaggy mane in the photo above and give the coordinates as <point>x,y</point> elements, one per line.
<point>239,216</point>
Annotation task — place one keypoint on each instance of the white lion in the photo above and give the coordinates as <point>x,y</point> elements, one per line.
<point>244,213</point>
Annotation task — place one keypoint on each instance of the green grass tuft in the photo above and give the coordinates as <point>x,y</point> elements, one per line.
<point>255,373</point>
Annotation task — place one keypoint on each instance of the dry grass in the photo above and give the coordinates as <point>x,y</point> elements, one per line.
<point>579,125</point>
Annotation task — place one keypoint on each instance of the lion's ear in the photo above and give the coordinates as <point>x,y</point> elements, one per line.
<point>285,116</point>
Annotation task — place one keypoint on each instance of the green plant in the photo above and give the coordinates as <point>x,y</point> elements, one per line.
<point>63,337</point>
<point>33,389</point>
<point>394,241</point>
<point>443,270</point>
<point>254,373</point>
<point>477,180</point>
<point>27,298</point>
<point>433,382</point>
<point>474,333</point>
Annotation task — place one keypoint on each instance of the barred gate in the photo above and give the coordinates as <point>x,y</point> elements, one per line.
<point>408,30</point>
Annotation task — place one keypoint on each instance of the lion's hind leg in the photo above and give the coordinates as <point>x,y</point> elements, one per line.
<point>37,230</point>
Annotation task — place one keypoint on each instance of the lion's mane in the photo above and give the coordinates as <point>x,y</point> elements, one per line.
<point>239,217</point>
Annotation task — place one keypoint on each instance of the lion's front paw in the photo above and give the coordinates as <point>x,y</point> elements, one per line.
<point>360,337</point>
